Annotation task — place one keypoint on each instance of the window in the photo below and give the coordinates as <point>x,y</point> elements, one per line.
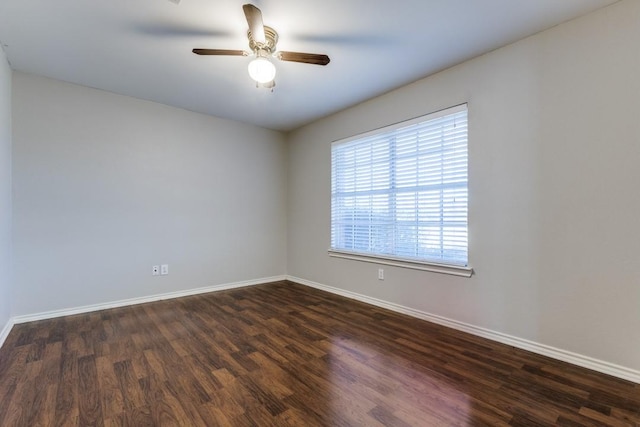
<point>400,193</point>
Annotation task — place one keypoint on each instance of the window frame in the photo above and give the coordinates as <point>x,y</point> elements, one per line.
<point>392,260</point>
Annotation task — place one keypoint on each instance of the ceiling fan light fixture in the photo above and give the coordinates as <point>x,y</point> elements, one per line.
<point>262,47</point>
<point>262,70</point>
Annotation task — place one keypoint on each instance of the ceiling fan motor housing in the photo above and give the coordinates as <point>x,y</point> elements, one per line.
<point>271,39</point>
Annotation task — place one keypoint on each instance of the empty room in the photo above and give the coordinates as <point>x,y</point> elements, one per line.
<point>221,213</point>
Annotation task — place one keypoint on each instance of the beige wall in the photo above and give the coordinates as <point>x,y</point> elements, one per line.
<point>5,191</point>
<point>554,201</point>
<point>105,186</point>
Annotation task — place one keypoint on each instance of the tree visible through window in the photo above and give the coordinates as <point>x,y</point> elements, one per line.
<point>401,191</point>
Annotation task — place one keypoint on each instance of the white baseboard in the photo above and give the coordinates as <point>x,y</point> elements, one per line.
<point>5,331</point>
<point>542,349</point>
<point>140,300</point>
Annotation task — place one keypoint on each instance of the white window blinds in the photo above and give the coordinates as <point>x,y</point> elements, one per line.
<point>401,191</point>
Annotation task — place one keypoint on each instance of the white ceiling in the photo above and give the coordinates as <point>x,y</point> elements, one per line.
<point>142,48</point>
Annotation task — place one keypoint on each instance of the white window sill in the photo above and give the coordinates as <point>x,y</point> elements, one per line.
<point>455,270</point>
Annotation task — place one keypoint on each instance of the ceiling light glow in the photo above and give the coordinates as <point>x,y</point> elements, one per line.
<point>262,70</point>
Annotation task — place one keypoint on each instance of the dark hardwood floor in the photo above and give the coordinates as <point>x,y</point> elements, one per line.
<point>283,354</point>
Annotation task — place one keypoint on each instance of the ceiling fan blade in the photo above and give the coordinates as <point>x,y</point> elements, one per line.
<point>254,19</point>
<point>307,58</point>
<point>220,52</point>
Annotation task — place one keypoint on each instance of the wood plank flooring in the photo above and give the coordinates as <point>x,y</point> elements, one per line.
<point>283,354</point>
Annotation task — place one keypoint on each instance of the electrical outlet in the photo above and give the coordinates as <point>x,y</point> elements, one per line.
<point>155,270</point>
<point>164,269</point>
<point>380,274</point>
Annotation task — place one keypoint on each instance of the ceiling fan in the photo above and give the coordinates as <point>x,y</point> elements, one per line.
<point>262,42</point>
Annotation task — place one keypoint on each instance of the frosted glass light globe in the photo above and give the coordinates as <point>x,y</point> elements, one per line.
<point>262,70</point>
